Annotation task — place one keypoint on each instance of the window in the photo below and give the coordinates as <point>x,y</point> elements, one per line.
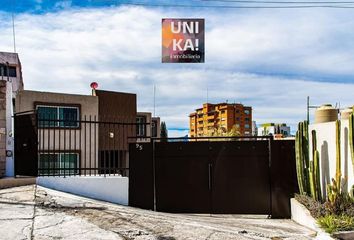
<point>154,128</point>
<point>247,111</point>
<point>247,126</point>
<point>57,116</point>
<point>141,126</point>
<point>3,71</point>
<point>237,119</point>
<point>247,119</point>
<point>58,163</point>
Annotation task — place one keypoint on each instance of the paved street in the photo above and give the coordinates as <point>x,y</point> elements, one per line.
<point>31,212</point>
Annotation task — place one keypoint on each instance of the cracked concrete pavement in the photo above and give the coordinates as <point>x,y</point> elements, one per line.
<point>34,212</point>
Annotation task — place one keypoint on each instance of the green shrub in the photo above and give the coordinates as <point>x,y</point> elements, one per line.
<point>332,223</point>
<point>316,208</point>
<point>342,205</point>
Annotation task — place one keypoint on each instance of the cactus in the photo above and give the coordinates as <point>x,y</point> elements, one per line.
<point>302,158</point>
<point>316,163</point>
<point>308,171</point>
<point>332,192</point>
<point>306,154</point>
<point>314,170</point>
<point>351,136</point>
<point>338,156</point>
<point>312,181</point>
<point>299,162</point>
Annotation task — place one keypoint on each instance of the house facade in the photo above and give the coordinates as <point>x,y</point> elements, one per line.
<point>146,131</point>
<point>64,141</point>
<point>11,83</point>
<point>89,133</point>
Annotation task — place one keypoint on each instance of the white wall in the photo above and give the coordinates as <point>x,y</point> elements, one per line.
<point>110,188</point>
<point>326,145</point>
<point>10,170</point>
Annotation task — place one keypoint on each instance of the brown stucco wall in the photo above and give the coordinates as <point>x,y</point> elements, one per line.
<point>116,107</point>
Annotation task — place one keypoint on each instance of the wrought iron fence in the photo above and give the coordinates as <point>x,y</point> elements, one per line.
<point>68,145</point>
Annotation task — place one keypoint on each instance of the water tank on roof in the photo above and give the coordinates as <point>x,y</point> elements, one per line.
<point>344,115</point>
<point>326,113</point>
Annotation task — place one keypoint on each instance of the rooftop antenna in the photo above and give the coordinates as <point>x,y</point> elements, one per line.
<point>13,26</point>
<point>154,100</point>
<point>207,94</point>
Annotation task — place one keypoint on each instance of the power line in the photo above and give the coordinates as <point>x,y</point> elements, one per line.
<point>237,7</point>
<point>277,2</point>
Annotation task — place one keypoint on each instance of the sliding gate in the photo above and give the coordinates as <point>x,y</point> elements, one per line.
<point>229,177</point>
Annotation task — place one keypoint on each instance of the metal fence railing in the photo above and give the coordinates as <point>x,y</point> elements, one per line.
<point>68,145</point>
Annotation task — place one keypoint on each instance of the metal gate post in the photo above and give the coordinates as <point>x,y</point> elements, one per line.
<point>270,140</point>
<point>154,171</point>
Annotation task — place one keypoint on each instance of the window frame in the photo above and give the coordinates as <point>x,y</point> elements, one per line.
<point>141,125</point>
<point>58,106</point>
<point>7,71</point>
<point>60,172</point>
<point>154,128</point>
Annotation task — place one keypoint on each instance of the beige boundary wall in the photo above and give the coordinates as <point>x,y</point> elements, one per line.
<point>326,145</point>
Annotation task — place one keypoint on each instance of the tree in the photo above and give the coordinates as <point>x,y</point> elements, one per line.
<point>164,132</point>
<point>222,132</point>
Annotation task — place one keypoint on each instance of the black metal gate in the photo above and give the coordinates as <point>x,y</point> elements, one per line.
<point>229,177</point>
<point>26,154</point>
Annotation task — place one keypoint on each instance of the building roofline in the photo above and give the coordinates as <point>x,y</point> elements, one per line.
<point>114,92</point>
<point>47,92</point>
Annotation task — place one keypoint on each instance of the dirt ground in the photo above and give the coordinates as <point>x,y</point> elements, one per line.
<point>33,212</point>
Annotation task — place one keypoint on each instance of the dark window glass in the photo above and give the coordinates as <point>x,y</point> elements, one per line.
<point>12,72</point>
<point>69,117</point>
<point>52,116</point>
<point>3,71</point>
<point>141,126</point>
<point>47,116</point>
<point>154,128</point>
<point>54,163</point>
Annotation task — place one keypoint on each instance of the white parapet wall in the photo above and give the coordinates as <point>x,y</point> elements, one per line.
<point>110,188</point>
<point>326,146</point>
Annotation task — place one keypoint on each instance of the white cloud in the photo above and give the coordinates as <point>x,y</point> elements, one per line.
<point>120,48</point>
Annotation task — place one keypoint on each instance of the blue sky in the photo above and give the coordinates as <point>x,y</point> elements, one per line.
<point>270,59</point>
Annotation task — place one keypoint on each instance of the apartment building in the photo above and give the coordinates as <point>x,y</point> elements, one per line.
<point>222,116</point>
<point>278,130</point>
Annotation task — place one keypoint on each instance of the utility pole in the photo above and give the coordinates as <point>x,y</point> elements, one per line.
<point>308,108</point>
